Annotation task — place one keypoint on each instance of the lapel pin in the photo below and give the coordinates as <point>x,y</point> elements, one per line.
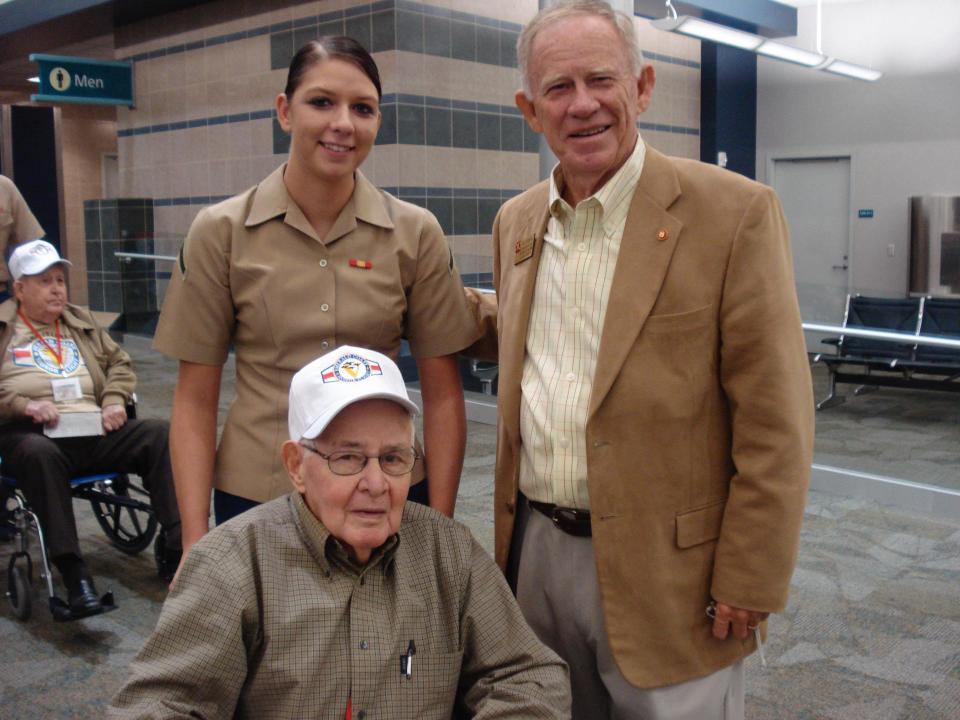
<point>662,235</point>
<point>362,264</point>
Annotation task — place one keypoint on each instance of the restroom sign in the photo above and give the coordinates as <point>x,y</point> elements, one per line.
<point>83,80</point>
<point>60,79</point>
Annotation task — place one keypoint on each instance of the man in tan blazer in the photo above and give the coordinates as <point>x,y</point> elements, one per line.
<point>655,407</point>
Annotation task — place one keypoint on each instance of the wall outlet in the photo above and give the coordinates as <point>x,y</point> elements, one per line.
<point>891,250</point>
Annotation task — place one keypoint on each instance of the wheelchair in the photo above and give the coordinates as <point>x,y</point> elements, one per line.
<point>121,508</point>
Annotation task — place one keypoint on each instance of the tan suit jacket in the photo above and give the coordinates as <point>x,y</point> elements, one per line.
<point>700,427</point>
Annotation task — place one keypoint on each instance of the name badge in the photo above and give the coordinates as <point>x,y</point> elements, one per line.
<point>66,389</point>
<point>523,249</point>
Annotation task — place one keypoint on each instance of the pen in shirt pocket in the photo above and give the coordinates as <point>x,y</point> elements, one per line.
<point>406,660</point>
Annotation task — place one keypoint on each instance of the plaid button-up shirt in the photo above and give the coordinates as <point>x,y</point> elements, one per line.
<point>270,619</point>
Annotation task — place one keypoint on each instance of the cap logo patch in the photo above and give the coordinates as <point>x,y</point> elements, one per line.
<point>41,250</point>
<point>351,368</point>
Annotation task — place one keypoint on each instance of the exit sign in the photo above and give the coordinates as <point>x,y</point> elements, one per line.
<point>82,80</point>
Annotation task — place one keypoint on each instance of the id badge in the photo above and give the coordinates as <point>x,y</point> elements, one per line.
<point>66,389</point>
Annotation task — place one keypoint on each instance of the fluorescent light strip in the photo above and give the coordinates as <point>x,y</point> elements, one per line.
<point>704,30</point>
<point>709,31</point>
<point>840,67</point>
<point>780,51</point>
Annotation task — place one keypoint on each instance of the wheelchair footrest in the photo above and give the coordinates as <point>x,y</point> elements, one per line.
<point>62,613</point>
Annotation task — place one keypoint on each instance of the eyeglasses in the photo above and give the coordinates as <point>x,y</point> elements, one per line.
<point>350,462</point>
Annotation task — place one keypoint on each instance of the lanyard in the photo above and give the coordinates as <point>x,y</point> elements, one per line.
<point>58,353</point>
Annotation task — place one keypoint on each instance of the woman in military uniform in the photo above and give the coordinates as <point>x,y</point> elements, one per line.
<point>312,258</point>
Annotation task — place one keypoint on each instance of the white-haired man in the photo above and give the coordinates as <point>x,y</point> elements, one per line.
<point>655,407</point>
<point>341,599</point>
<point>57,364</point>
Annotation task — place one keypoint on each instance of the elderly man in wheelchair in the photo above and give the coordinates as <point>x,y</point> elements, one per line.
<point>64,385</point>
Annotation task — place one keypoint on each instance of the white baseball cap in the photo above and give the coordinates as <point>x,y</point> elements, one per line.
<point>32,258</point>
<point>324,387</point>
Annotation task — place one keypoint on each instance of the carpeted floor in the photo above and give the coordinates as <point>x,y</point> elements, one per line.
<point>872,630</point>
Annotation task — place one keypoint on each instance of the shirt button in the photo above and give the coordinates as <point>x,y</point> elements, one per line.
<point>324,307</point>
<point>564,442</point>
<point>324,344</point>
<point>323,263</point>
<point>364,645</point>
<point>571,377</point>
<point>581,246</point>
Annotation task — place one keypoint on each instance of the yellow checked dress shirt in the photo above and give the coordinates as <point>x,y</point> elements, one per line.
<point>270,619</point>
<point>579,256</point>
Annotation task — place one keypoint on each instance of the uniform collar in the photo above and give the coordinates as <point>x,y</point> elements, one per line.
<point>271,200</point>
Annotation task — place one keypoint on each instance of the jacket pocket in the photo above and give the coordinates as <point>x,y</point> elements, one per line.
<point>681,321</point>
<point>701,525</point>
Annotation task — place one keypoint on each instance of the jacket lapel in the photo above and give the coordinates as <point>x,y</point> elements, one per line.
<point>649,239</point>
<point>523,279</point>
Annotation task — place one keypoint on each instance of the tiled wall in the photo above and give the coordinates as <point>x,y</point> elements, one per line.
<point>86,133</point>
<point>126,285</point>
<point>452,139</point>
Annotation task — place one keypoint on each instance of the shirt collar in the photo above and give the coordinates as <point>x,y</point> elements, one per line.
<point>8,315</point>
<point>608,196</point>
<point>328,552</point>
<point>271,199</point>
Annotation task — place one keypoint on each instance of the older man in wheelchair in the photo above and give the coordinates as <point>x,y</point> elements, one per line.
<point>64,387</point>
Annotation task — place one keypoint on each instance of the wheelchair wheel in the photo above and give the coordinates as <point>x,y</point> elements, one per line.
<point>129,523</point>
<point>19,592</point>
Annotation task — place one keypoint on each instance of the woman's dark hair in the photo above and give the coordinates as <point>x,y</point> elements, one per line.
<point>331,47</point>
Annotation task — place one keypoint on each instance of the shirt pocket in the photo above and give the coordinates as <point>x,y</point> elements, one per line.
<point>431,688</point>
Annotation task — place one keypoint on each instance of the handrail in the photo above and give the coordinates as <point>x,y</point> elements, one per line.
<point>128,256</point>
<point>901,338</point>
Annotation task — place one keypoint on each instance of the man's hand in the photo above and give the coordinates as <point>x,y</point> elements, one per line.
<point>114,417</point>
<point>43,412</point>
<point>743,621</point>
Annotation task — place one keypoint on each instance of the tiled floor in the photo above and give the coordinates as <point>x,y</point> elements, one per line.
<point>872,629</point>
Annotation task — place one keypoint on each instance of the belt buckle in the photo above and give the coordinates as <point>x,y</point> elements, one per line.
<point>563,515</point>
<point>572,521</point>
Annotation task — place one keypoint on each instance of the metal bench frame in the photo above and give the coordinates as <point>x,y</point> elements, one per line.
<point>891,357</point>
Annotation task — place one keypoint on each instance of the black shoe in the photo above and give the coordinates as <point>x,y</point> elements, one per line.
<point>83,598</point>
<point>167,559</point>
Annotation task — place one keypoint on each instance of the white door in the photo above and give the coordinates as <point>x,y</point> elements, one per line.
<point>815,193</point>
<point>110,175</point>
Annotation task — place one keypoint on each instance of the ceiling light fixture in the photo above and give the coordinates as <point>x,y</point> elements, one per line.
<point>712,32</point>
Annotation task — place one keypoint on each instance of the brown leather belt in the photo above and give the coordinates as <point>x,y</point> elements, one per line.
<point>570,520</point>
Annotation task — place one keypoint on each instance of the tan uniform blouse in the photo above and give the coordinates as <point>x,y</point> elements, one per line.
<point>269,619</point>
<point>254,274</point>
<point>16,221</point>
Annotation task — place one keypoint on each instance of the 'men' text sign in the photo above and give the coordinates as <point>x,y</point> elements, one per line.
<point>82,80</point>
